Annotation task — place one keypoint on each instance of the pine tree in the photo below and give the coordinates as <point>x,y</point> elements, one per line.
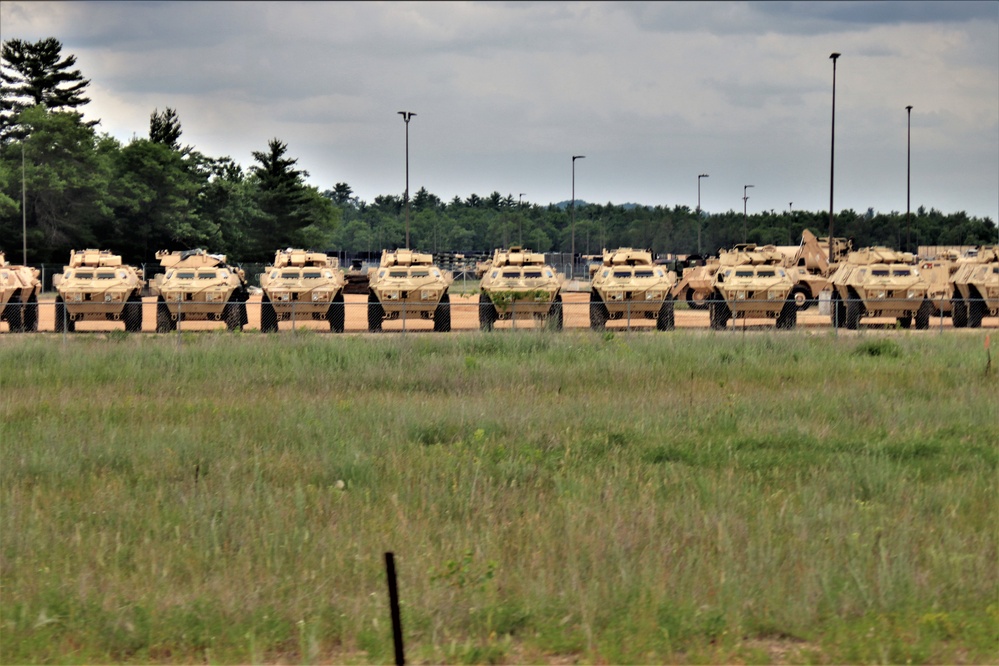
<point>33,74</point>
<point>164,128</point>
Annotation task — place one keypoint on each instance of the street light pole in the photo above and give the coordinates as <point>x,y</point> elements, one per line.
<point>24,206</point>
<point>832,156</point>
<point>572,214</point>
<point>908,179</point>
<point>703,175</point>
<point>745,216</point>
<point>406,115</point>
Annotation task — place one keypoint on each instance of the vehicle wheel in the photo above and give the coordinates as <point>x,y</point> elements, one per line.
<point>487,312</point>
<point>976,311</point>
<point>852,314</point>
<point>30,323</point>
<point>905,322</point>
<point>244,296</point>
<point>802,298</point>
<point>696,300</point>
<point>838,311</point>
<point>337,315</point>
<point>598,312</point>
<point>233,316</point>
<point>268,316</point>
<point>959,312</point>
<point>718,313</point>
<point>375,313</point>
<point>442,315</point>
<point>555,314</point>
<point>164,323</point>
<point>666,319</point>
<point>923,315</point>
<point>12,315</point>
<point>788,317</point>
<point>133,313</point>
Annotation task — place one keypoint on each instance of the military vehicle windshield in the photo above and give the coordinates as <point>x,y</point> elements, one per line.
<point>879,272</point>
<point>420,274</point>
<point>289,275</point>
<point>184,275</point>
<point>84,275</point>
<point>206,275</point>
<point>312,275</point>
<point>105,275</point>
<point>901,272</point>
<point>398,274</point>
<point>644,274</point>
<point>532,275</point>
<point>625,274</point>
<point>766,274</point>
<point>744,274</point>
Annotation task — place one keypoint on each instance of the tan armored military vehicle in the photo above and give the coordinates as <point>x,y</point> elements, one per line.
<point>407,284</point>
<point>517,286</point>
<point>975,287</point>
<point>302,285</point>
<point>96,286</point>
<point>880,282</point>
<point>811,266</point>
<point>628,284</point>
<point>19,289</point>
<point>696,284</point>
<point>199,286</point>
<point>753,291</point>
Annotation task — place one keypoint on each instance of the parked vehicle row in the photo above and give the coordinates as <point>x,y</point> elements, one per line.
<point>746,282</point>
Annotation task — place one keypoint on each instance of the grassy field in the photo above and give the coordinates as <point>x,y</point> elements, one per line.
<point>692,497</point>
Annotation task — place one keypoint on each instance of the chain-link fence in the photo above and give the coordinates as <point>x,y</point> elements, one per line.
<point>355,313</point>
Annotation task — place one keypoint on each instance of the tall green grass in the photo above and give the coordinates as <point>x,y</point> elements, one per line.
<point>684,497</point>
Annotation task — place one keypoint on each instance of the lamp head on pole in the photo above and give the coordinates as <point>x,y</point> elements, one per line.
<point>833,57</point>
<point>406,115</point>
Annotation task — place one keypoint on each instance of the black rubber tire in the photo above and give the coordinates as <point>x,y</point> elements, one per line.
<point>923,315</point>
<point>976,311</point>
<point>268,316</point>
<point>233,316</point>
<point>442,315</point>
<point>487,312</point>
<point>30,321</point>
<point>838,314</point>
<point>164,322</point>
<point>853,306</point>
<point>959,312</point>
<point>905,322</point>
<point>598,312</point>
<point>693,303</point>
<point>133,313</point>
<point>13,316</point>
<point>666,317</point>
<point>788,317</point>
<point>802,297</point>
<point>556,316</point>
<point>336,315</point>
<point>376,313</point>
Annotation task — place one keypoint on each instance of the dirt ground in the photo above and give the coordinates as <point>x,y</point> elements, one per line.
<point>464,317</point>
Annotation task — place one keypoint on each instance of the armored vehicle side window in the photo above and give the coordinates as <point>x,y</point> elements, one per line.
<point>495,273</point>
<point>548,273</point>
<point>274,275</point>
<point>437,273</point>
<point>606,273</point>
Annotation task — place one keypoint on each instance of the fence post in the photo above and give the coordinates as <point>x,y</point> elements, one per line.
<point>393,590</point>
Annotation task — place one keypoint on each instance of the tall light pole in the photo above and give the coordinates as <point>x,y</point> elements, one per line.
<point>24,206</point>
<point>406,115</point>
<point>832,156</point>
<point>520,215</point>
<point>572,214</point>
<point>745,216</point>
<point>908,178</point>
<point>703,175</point>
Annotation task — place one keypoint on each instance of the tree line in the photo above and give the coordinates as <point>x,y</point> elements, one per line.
<point>83,188</point>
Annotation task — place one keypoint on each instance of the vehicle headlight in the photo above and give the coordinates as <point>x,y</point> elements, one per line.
<point>78,297</point>
<point>391,295</point>
<point>210,297</point>
<point>653,295</point>
<point>283,296</point>
<point>616,295</point>
<point>740,295</point>
<point>428,294</point>
<point>319,296</point>
<point>775,294</point>
<point>880,293</point>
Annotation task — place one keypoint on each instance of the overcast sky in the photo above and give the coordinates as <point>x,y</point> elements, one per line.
<point>653,94</point>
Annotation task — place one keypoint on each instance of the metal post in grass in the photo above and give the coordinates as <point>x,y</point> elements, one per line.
<point>393,590</point>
